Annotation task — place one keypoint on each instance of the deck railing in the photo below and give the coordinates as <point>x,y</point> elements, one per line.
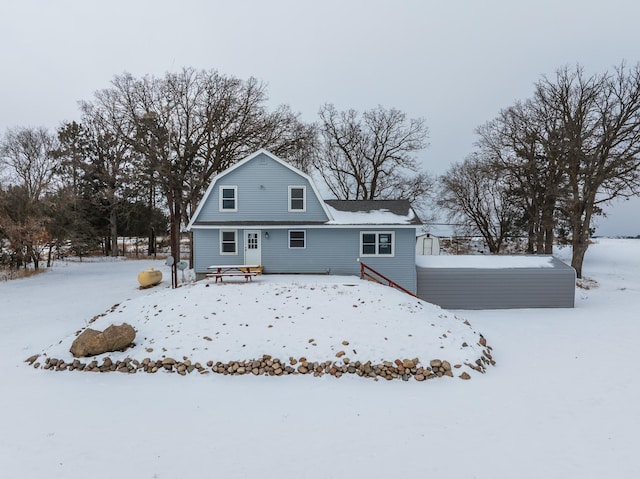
<point>367,272</point>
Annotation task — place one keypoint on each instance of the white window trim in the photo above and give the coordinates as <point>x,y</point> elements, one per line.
<point>235,234</point>
<point>304,199</point>
<point>289,239</point>
<point>235,198</point>
<point>377,233</point>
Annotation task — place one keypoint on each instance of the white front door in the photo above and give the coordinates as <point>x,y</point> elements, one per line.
<point>252,252</point>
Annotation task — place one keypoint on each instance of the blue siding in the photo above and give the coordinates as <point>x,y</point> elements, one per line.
<point>328,251</point>
<point>207,249</point>
<point>262,195</point>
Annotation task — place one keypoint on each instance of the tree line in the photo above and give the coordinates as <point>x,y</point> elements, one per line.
<point>145,149</point>
<point>545,166</point>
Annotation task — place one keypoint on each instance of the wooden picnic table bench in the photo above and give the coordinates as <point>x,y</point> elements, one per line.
<point>218,272</point>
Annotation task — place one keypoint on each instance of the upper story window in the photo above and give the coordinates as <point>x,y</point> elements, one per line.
<point>376,243</point>
<point>297,198</point>
<point>228,198</point>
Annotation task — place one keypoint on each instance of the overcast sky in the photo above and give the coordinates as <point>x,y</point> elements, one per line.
<point>456,63</point>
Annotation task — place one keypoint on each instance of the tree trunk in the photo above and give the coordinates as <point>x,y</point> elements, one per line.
<point>580,224</point>
<point>34,256</point>
<point>113,231</point>
<point>549,239</point>
<point>530,239</point>
<point>580,246</point>
<point>49,255</point>
<point>539,240</point>
<point>547,224</point>
<point>152,242</point>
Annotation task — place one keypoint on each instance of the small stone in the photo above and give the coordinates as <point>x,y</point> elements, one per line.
<point>339,354</point>
<point>435,363</point>
<point>419,377</point>
<point>464,375</point>
<point>32,359</point>
<point>446,365</point>
<point>345,343</point>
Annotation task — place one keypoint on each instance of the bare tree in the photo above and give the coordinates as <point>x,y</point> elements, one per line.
<point>599,120</point>
<point>30,169</point>
<point>26,155</point>
<point>474,195</point>
<point>370,156</point>
<point>110,160</point>
<point>526,146</point>
<point>193,124</point>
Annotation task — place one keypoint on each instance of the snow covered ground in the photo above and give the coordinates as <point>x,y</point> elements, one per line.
<point>561,402</point>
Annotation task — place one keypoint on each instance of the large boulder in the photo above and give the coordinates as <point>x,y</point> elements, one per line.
<point>92,342</point>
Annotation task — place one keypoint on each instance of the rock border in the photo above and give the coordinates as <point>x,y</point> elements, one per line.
<point>403,369</point>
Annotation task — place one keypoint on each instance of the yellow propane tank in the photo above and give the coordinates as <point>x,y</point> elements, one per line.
<point>149,277</point>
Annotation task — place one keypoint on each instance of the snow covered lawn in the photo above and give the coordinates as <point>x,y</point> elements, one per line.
<point>561,402</point>
<point>293,318</point>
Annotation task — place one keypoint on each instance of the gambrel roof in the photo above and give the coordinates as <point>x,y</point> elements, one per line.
<point>337,213</point>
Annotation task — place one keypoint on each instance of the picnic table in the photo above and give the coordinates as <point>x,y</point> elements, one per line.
<point>247,271</point>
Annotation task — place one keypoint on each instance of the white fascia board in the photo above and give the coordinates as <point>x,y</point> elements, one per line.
<point>302,226</point>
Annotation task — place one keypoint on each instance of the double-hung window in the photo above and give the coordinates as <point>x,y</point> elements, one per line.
<point>374,243</point>
<point>297,239</point>
<point>297,198</point>
<point>228,198</point>
<point>228,242</point>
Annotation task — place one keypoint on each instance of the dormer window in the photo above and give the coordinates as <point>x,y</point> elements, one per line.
<point>297,198</point>
<point>229,198</point>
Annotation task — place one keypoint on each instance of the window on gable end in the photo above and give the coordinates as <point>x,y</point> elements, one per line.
<point>229,198</point>
<point>297,198</point>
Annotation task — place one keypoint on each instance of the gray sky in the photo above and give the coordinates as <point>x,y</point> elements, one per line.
<point>454,62</point>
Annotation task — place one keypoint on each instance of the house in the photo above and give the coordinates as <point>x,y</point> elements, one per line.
<point>263,211</point>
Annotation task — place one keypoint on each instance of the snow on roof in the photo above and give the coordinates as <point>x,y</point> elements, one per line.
<point>371,212</point>
<point>485,261</point>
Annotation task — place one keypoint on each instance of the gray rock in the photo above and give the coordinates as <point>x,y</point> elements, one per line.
<point>92,342</point>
